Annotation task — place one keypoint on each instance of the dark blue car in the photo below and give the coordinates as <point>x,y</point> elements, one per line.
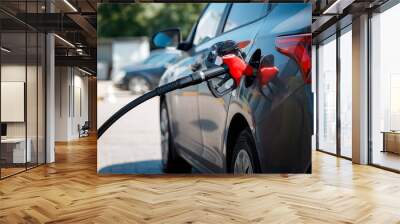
<point>143,77</point>
<point>260,127</point>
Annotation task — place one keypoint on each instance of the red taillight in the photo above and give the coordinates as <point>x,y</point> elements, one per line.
<point>297,47</point>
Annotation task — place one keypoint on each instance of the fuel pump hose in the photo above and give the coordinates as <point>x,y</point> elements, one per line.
<point>192,79</point>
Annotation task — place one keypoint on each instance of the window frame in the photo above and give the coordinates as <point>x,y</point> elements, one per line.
<point>378,10</point>
<point>267,8</point>
<point>335,36</point>
<point>28,29</point>
<point>219,27</point>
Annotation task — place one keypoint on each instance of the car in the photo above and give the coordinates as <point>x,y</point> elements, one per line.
<point>260,127</point>
<point>143,77</point>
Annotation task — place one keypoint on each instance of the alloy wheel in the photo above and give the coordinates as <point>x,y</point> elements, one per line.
<point>138,85</point>
<point>164,126</point>
<point>243,163</point>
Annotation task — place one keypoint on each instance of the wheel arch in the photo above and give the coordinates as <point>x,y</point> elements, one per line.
<point>238,124</point>
<point>162,99</point>
<point>140,76</point>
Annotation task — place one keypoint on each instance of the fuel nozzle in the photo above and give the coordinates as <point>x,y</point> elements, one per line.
<point>224,48</point>
<point>228,53</point>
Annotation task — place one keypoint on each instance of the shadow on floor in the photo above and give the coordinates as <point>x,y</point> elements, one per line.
<point>140,167</point>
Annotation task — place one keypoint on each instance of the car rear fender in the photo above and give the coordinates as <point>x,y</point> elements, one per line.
<point>239,111</point>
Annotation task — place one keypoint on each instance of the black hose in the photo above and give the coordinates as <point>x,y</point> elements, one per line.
<point>124,110</point>
<point>189,80</point>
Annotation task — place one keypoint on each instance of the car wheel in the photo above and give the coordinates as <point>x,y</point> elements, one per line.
<point>244,159</point>
<point>138,85</point>
<point>170,160</point>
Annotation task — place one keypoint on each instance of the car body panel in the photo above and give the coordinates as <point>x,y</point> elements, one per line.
<point>187,132</point>
<point>213,111</point>
<point>285,116</point>
<point>279,115</point>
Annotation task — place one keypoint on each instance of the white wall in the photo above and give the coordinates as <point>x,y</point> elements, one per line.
<point>61,103</point>
<point>13,100</point>
<point>33,125</point>
<point>15,73</point>
<point>80,94</point>
<point>71,93</point>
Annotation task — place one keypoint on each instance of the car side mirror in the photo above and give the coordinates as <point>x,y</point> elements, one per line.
<point>167,38</point>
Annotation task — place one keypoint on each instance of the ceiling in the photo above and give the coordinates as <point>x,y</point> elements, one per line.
<point>73,21</point>
<point>329,13</point>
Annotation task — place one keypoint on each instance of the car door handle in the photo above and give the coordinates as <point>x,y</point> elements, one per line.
<point>196,66</point>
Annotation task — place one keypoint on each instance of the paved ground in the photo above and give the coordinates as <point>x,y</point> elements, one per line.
<point>132,144</point>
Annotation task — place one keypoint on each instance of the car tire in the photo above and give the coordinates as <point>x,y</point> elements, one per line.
<point>171,162</point>
<point>244,157</point>
<point>138,85</point>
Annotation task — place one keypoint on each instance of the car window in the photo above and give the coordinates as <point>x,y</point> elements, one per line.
<point>160,59</point>
<point>208,23</point>
<point>166,58</point>
<point>242,13</point>
<point>152,59</point>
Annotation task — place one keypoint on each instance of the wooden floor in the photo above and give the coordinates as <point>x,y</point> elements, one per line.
<point>387,159</point>
<point>70,191</point>
<point>5,172</point>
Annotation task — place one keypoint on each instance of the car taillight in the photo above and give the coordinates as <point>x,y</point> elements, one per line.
<point>297,47</point>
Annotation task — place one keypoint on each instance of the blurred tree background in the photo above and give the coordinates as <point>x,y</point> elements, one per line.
<point>144,19</point>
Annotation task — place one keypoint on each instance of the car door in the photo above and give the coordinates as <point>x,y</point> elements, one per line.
<point>184,111</point>
<point>186,124</point>
<point>242,23</point>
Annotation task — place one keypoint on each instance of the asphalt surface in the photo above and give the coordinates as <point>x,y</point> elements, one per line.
<point>132,144</point>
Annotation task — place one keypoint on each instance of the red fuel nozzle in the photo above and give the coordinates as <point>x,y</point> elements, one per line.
<point>237,67</point>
